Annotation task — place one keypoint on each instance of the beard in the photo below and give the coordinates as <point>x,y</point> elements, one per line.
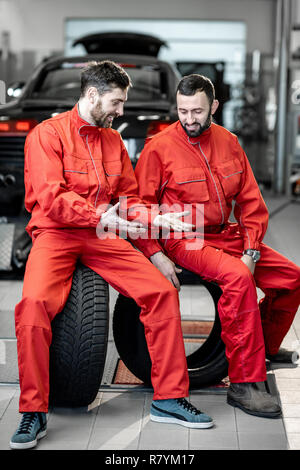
<point>100,117</point>
<point>200,127</point>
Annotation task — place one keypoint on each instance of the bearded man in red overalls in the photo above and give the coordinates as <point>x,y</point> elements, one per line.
<point>75,166</point>
<point>198,164</point>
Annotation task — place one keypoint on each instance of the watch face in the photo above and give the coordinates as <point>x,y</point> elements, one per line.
<point>255,254</point>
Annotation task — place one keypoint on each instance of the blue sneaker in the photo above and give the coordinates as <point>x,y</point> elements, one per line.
<point>179,411</point>
<point>32,427</point>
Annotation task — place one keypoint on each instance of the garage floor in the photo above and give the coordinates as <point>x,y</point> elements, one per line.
<point>119,417</point>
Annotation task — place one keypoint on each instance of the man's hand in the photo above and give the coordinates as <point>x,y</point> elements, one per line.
<point>171,221</point>
<point>248,262</point>
<point>166,267</point>
<point>113,221</point>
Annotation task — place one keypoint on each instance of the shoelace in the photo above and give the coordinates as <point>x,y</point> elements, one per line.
<point>188,406</point>
<point>26,423</point>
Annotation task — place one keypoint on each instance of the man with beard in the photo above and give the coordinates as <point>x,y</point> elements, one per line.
<point>198,163</point>
<point>75,166</point>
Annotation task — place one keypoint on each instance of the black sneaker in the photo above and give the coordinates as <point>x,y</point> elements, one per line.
<point>33,426</point>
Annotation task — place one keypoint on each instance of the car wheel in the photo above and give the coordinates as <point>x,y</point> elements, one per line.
<point>79,342</point>
<point>207,365</point>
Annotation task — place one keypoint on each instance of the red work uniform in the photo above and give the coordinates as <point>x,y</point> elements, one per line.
<point>71,168</point>
<point>206,174</point>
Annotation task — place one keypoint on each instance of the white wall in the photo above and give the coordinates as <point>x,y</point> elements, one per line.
<point>39,24</point>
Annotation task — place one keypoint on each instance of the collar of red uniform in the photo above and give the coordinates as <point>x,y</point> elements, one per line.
<point>83,126</point>
<point>193,140</point>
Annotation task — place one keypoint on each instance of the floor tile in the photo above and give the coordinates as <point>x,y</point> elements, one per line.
<point>290,396</point>
<point>292,425</point>
<point>290,410</point>
<point>262,441</point>
<point>163,436</point>
<point>125,437</point>
<point>213,439</point>
<point>294,441</point>
<point>290,385</point>
<point>6,395</point>
<point>250,424</point>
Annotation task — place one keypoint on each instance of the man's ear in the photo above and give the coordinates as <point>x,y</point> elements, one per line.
<point>214,106</point>
<point>92,94</point>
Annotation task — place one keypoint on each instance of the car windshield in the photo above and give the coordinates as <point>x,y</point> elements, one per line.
<point>63,82</point>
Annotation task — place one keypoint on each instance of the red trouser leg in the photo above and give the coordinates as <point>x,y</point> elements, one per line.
<point>279,279</point>
<point>130,273</point>
<point>47,283</point>
<point>238,310</point>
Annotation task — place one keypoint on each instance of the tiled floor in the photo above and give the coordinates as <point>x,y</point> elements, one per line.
<point>120,419</point>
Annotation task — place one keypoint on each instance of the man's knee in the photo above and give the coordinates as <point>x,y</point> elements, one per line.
<point>165,292</point>
<point>34,311</point>
<point>161,302</point>
<point>240,277</point>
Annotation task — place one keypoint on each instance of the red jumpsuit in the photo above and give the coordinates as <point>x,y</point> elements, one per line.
<point>210,172</point>
<point>71,168</point>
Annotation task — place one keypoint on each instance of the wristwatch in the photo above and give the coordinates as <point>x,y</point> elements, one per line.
<point>255,254</point>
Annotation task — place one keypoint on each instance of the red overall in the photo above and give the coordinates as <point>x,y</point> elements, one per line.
<point>211,171</point>
<point>71,168</point>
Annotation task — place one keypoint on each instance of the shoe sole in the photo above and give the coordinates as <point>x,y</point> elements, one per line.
<point>27,445</point>
<point>260,414</point>
<point>187,424</point>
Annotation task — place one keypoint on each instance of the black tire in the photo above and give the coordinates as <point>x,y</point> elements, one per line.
<point>206,366</point>
<point>79,342</point>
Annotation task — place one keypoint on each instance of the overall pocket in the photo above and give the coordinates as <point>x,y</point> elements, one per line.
<point>76,175</point>
<point>190,185</point>
<point>113,171</point>
<point>230,176</point>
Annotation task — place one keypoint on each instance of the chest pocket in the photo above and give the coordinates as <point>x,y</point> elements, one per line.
<point>76,175</point>
<point>230,176</point>
<point>190,185</point>
<point>113,171</point>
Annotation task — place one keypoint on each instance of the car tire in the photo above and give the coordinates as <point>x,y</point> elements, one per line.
<point>206,366</point>
<point>79,341</point>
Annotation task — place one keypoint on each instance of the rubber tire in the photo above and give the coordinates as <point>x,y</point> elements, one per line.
<point>79,341</point>
<point>206,366</point>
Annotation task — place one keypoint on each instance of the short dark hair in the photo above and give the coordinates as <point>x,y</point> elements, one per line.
<point>104,76</point>
<point>191,84</point>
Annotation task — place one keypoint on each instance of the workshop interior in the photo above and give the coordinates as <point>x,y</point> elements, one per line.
<point>100,367</point>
